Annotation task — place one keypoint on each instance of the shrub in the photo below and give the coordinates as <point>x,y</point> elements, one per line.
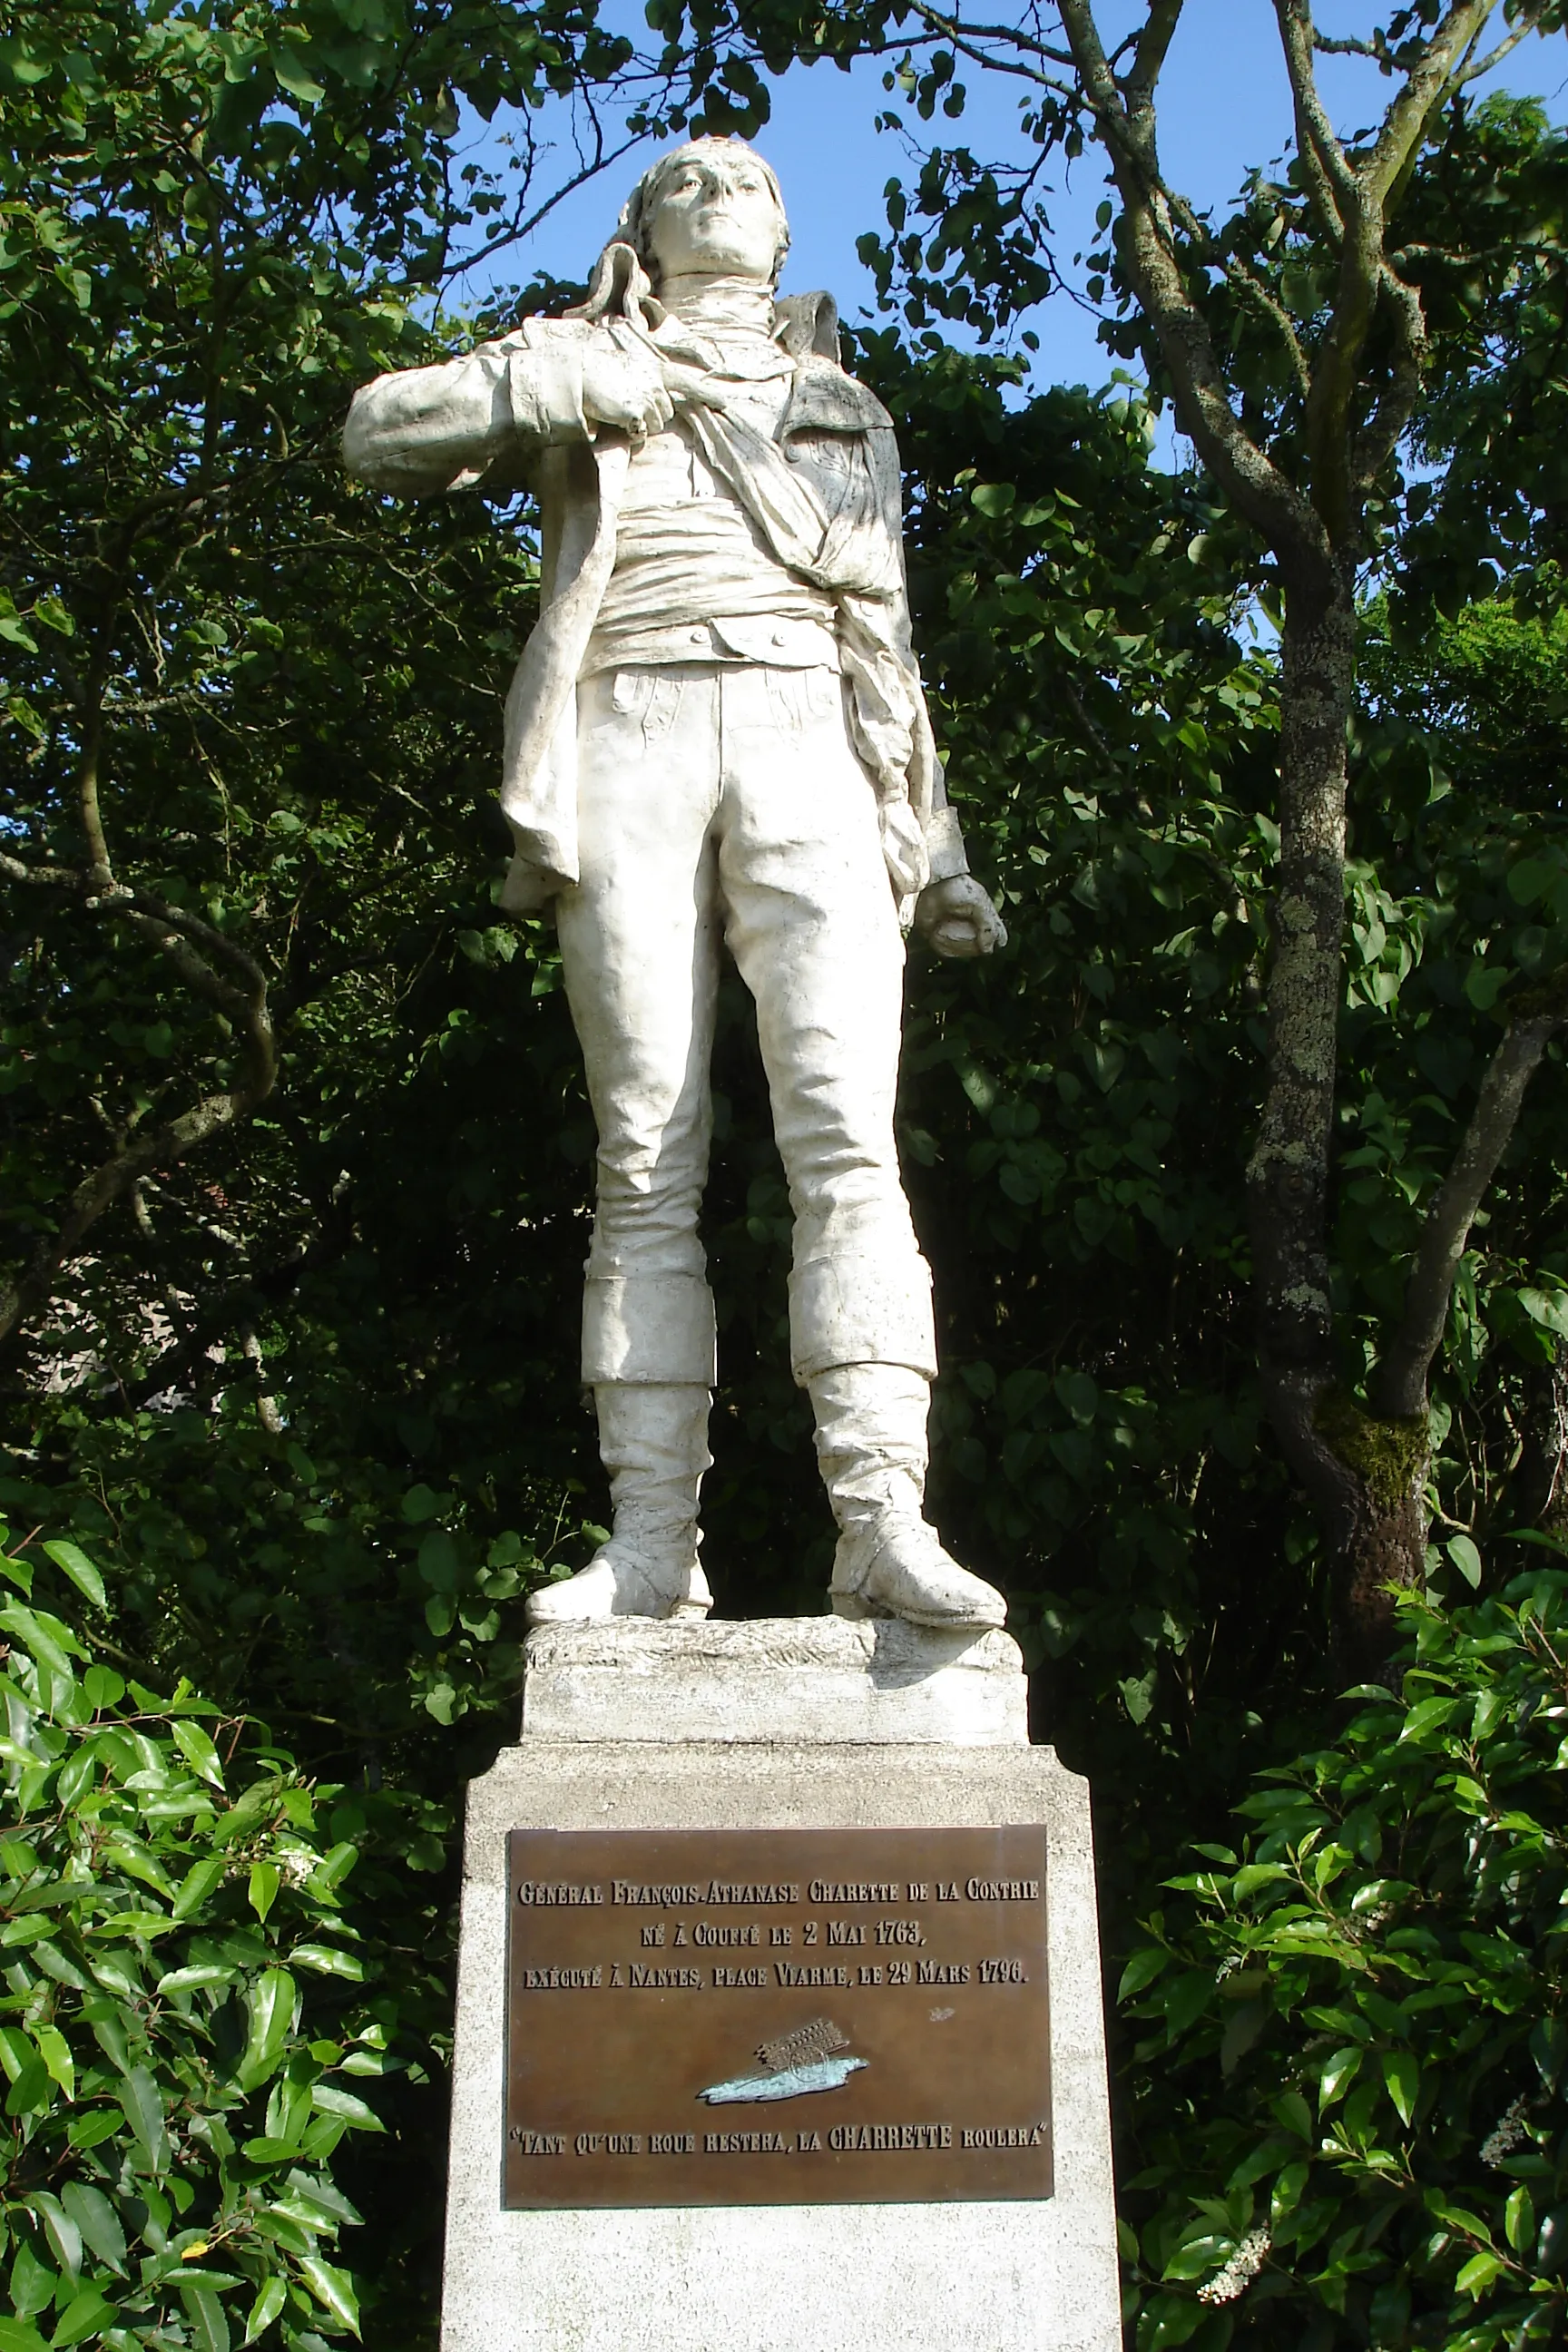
<point>182,2011</point>
<point>1348,2103</point>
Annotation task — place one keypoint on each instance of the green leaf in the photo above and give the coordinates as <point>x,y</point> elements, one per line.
<point>55,2051</point>
<point>198,1750</point>
<point>20,1571</point>
<point>1337,2074</point>
<point>110,2032</point>
<point>1168,2320</point>
<point>333,2102</point>
<point>993,500</point>
<point>34,2286</point>
<point>316,2188</point>
<point>1403,2076</point>
<point>1253,1875</point>
<point>1529,878</point>
<point>1198,2256</point>
<point>1478,2273</point>
<point>294,75</point>
<point>16,2336</point>
<point>1547,1308</point>
<point>144,2111</point>
<point>269,2302</point>
<point>209,2321</point>
<point>196,1885</point>
<point>97,2222</point>
<point>1292,2111</point>
<point>266,1878</point>
<point>44,1636</point>
<point>1426,1716</point>
<point>1518,2218</point>
<point>207,1972</point>
<point>1141,1970</point>
<point>327,1961</point>
<point>74,1563</point>
<point>31,2092</point>
<point>1462,1551</point>
<point>270,2002</point>
<point>332,2287</point>
<point>63,2233</point>
<point>87,2314</point>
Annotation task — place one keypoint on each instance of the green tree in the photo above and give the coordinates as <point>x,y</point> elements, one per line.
<point>1298,341</point>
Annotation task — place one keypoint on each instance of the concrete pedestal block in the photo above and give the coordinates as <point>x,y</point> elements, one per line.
<point>1020,2276</point>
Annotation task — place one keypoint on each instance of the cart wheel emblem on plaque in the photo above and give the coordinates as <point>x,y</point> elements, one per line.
<point>796,2062</point>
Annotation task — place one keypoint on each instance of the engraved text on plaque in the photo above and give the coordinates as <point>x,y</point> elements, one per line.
<point>707,2017</point>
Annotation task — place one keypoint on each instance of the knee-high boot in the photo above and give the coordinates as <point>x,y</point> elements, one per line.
<point>653,1439</point>
<point>871,1446</point>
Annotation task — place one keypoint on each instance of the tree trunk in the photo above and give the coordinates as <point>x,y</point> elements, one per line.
<point>1386,1461</point>
<point>1287,1175</point>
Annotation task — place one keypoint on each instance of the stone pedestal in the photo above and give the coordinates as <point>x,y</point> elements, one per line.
<point>809,1724</point>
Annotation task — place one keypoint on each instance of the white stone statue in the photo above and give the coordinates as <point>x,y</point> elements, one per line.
<point>717,733</point>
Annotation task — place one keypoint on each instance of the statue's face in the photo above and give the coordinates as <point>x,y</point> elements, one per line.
<point>716,214</point>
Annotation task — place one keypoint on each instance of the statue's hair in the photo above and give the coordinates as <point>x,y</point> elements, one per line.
<point>637,212</point>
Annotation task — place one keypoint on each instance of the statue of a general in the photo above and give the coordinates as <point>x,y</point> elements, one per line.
<point>717,732</point>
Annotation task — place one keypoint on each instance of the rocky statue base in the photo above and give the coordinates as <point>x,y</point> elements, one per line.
<point>847,1732</point>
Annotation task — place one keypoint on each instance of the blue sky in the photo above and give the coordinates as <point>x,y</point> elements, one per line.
<point>1224,109</point>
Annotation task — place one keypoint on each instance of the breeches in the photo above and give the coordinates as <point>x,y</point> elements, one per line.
<point>728,804</point>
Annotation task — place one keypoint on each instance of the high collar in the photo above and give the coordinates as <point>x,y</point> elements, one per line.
<point>721,305</point>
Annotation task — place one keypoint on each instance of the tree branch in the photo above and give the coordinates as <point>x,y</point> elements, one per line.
<point>91,754</point>
<point>170,930</point>
<point>1315,135</point>
<point>158,1148</point>
<point>1478,67</point>
<point>1252,289</point>
<point>1260,492</point>
<point>1427,84</point>
<point>1148,56</point>
<point>1399,1387</point>
<point>154,917</point>
<point>1379,438</point>
<point>1363,194</point>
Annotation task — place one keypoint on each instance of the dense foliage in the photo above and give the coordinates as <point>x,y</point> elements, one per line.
<point>1350,2105</point>
<point>184,1999</point>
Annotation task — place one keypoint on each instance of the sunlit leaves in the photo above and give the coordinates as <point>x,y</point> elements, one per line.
<point>139,2034</point>
<point>1421,2009</point>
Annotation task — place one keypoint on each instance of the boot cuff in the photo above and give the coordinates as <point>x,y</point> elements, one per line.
<point>646,1328</point>
<point>854,1308</point>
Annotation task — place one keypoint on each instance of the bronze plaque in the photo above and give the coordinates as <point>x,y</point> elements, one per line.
<point>776,2017</point>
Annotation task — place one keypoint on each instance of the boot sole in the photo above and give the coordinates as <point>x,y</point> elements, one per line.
<point>859,1612</point>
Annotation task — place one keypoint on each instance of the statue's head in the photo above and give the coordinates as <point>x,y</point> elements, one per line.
<point>710,208</point>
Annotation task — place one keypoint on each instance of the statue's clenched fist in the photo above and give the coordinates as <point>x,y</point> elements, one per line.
<point>957,919</point>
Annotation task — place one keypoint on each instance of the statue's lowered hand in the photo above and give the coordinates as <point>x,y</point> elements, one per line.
<point>956,918</point>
